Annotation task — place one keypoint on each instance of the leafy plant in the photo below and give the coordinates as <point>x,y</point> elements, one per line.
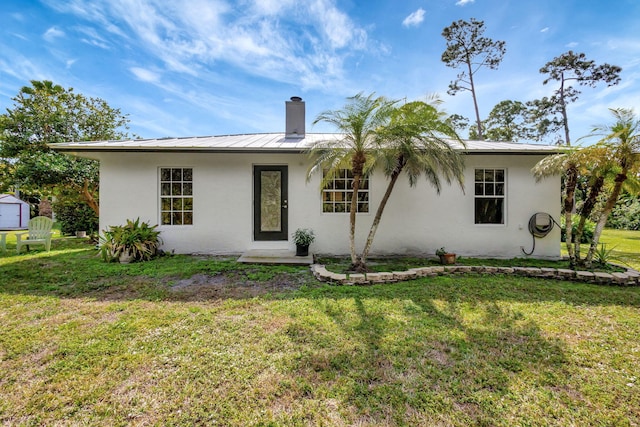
<point>303,237</point>
<point>587,232</point>
<point>138,240</point>
<point>75,216</point>
<point>441,251</point>
<point>603,255</point>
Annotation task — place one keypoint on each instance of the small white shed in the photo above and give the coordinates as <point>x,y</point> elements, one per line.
<point>14,213</point>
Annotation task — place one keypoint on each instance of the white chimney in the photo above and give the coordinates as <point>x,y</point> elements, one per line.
<point>295,116</point>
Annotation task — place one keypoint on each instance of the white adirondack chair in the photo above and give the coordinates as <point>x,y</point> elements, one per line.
<point>39,234</point>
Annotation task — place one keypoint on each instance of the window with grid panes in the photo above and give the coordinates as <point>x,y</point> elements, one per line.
<point>490,189</point>
<point>337,194</point>
<point>176,196</point>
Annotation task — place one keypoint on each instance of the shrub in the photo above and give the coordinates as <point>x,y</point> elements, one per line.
<point>626,214</point>
<point>587,232</point>
<point>75,216</point>
<point>136,240</point>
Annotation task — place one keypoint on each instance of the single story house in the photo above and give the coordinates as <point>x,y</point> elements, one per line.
<point>232,193</point>
<point>14,213</point>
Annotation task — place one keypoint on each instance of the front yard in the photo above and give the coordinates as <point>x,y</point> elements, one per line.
<point>187,340</point>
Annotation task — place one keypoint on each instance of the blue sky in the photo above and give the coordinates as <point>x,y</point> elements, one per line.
<point>212,67</point>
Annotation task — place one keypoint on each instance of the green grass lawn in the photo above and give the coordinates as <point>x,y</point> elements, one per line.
<point>205,341</point>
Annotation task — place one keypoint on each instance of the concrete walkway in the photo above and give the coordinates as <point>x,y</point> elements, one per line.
<point>278,256</point>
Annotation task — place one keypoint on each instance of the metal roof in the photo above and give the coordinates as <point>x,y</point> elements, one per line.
<point>269,142</point>
<point>8,198</point>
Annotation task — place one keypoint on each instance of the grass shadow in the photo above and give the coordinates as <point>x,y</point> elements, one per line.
<point>448,353</point>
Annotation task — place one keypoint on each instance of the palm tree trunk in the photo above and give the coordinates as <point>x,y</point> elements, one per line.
<point>570,188</point>
<point>352,220</point>
<point>602,221</point>
<point>376,219</point>
<point>585,212</point>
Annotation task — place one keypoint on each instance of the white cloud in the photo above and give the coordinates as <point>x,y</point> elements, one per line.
<point>145,75</point>
<point>571,45</point>
<point>414,19</point>
<point>20,36</point>
<point>69,63</point>
<point>272,7</point>
<point>283,40</point>
<point>52,33</point>
<point>96,43</point>
<point>20,66</point>
<point>92,38</point>
<point>464,2</point>
<point>333,25</point>
<point>544,30</point>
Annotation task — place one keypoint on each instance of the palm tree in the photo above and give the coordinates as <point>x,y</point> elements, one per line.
<point>622,140</point>
<point>595,168</point>
<point>358,122</point>
<point>564,163</point>
<point>415,141</point>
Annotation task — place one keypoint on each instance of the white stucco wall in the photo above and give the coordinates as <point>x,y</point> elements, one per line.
<point>416,221</point>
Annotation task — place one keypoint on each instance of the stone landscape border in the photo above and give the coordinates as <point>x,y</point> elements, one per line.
<point>629,278</point>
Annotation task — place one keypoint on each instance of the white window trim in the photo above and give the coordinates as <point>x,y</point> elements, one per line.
<point>504,197</point>
<point>159,197</point>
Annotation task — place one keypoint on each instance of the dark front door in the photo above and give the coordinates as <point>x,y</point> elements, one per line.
<point>270,204</point>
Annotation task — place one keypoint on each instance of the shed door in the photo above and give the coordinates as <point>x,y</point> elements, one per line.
<point>270,204</point>
<point>9,215</point>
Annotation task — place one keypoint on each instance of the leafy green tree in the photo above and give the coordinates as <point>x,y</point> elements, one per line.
<point>45,113</point>
<point>626,214</point>
<point>467,48</point>
<point>416,141</point>
<point>567,69</point>
<point>359,122</point>
<point>507,122</point>
<point>457,122</point>
<point>6,174</point>
<point>544,118</point>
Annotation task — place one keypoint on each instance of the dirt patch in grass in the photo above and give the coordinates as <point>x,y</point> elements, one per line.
<point>203,286</point>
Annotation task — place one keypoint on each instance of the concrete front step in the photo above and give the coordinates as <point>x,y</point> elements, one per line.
<point>274,256</point>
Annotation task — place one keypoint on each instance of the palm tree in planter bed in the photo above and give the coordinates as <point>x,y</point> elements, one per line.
<point>358,149</point>
<point>417,140</point>
<point>413,138</point>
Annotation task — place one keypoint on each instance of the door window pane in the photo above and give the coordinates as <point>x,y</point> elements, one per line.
<point>271,201</point>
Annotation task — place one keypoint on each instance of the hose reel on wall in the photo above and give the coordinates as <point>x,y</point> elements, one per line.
<point>540,225</point>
